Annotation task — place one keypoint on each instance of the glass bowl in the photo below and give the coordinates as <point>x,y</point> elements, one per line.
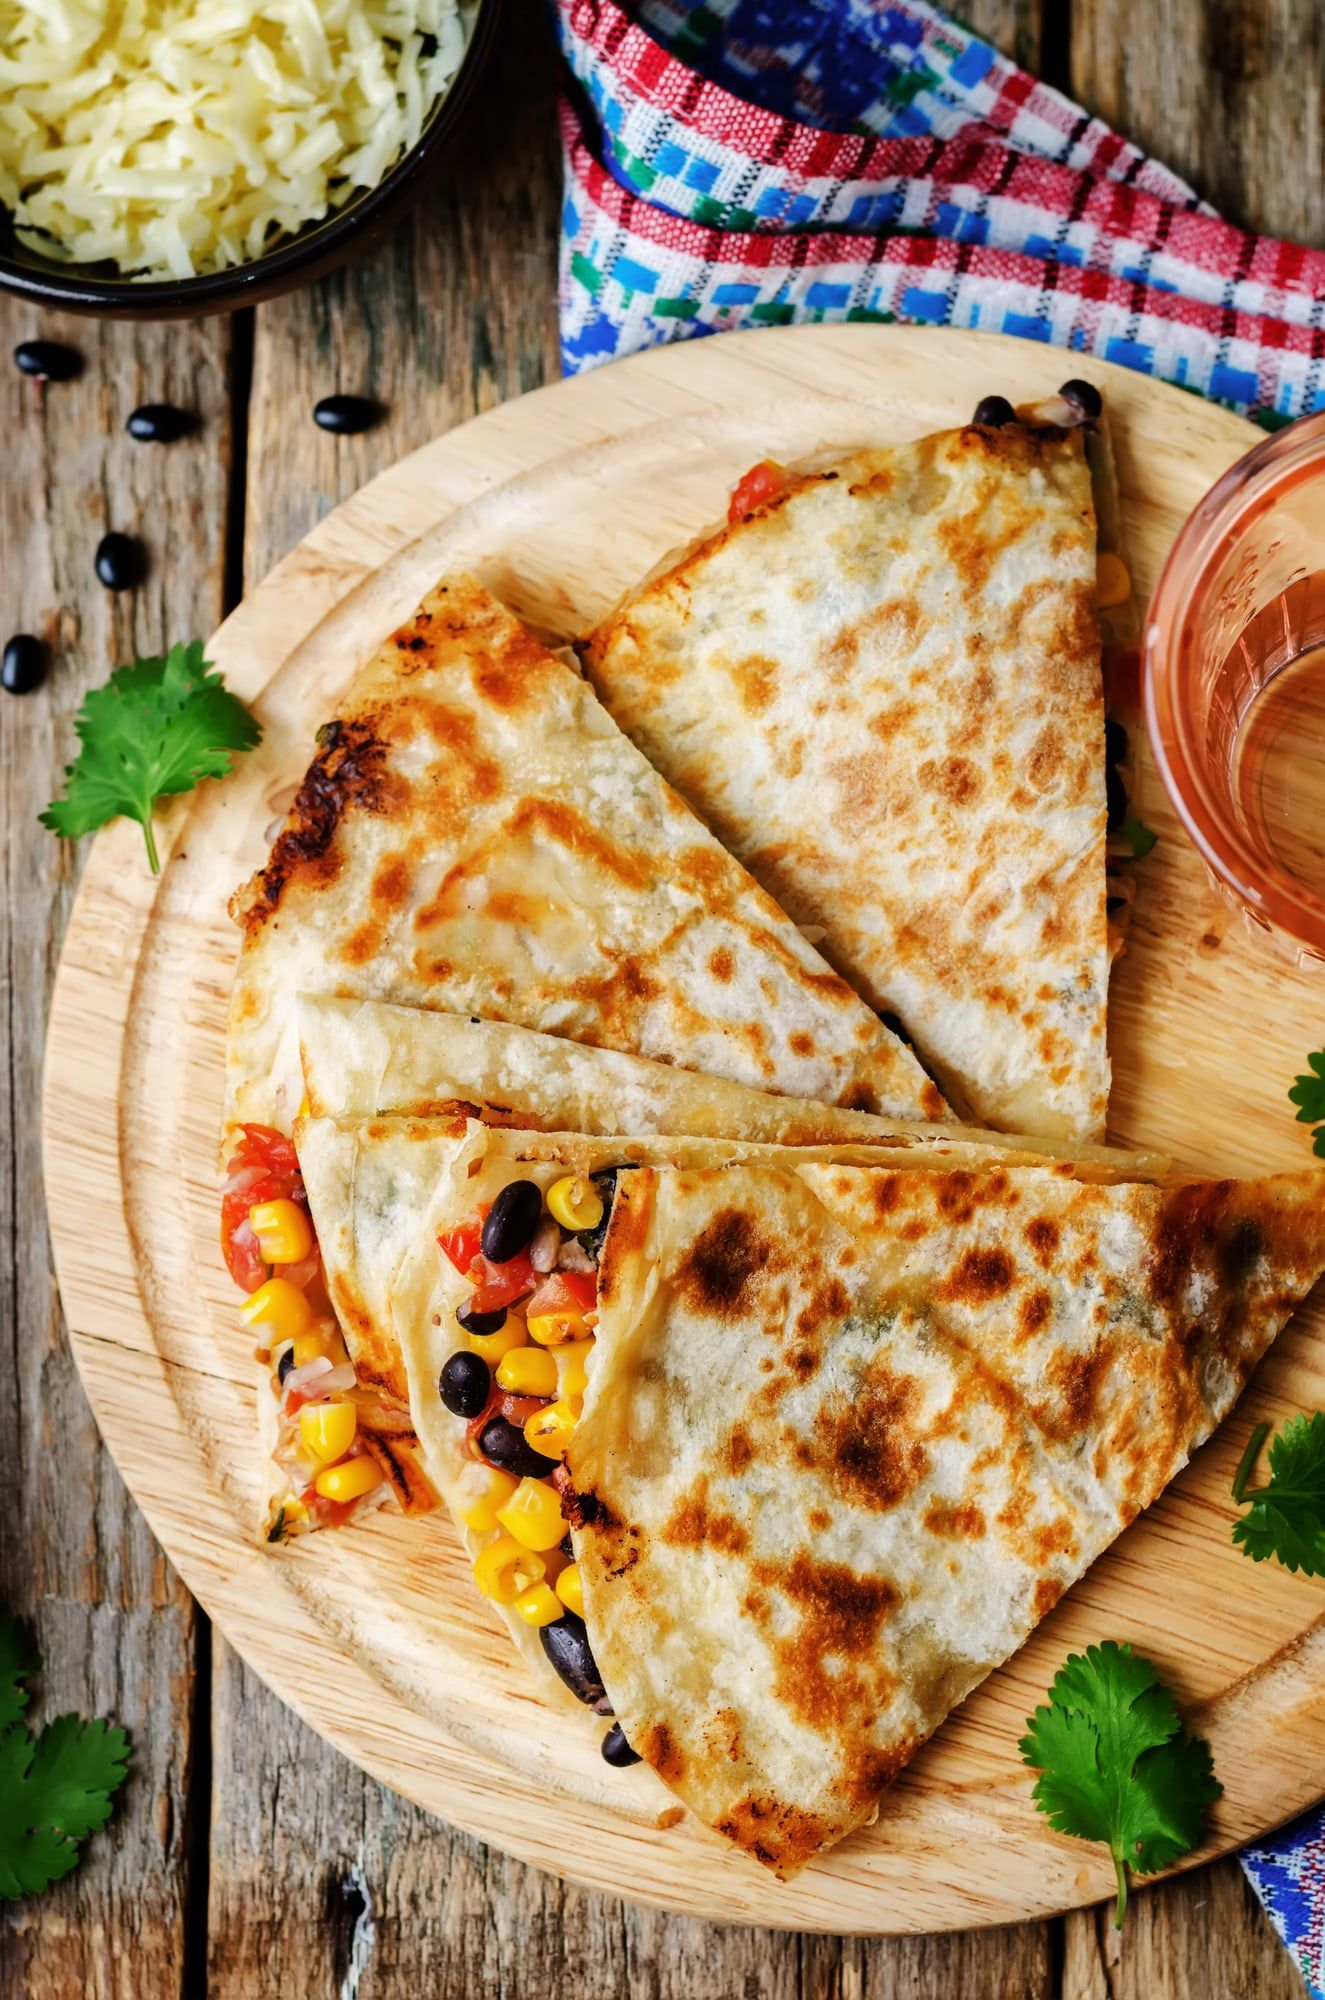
<point>1235,684</point>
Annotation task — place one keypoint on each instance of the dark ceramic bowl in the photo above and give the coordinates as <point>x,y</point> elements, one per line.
<point>97,288</point>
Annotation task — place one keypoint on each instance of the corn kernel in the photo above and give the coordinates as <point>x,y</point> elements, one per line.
<point>570,1589</point>
<point>506,1569</point>
<point>312,1342</point>
<point>349,1481</point>
<point>533,1516</point>
<point>551,1429</point>
<point>551,1329</point>
<point>575,1202</point>
<point>1113,585</point>
<point>283,1231</point>
<point>304,1106</point>
<point>528,1371</point>
<point>572,1367</point>
<point>481,1512</point>
<point>327,1430</point>
<point>294,1509</point>
<point>280,1307</point>
<point>538,1606</point>
<point>494,1347</point>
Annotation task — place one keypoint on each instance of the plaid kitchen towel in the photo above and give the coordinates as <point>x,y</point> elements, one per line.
<point>745,163</point>
<point>738,163</point>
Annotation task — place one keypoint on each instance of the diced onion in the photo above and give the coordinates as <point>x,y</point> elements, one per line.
<point>305,1377</point>
<point>574,1257</point>
<point>546,1243</point>
<point>177,136</point>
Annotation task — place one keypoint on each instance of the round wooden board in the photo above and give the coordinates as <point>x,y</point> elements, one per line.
<point>376,1635</point>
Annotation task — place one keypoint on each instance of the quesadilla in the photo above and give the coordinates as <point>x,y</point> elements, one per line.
<point>475,833</point>
<point>364,1058</point>
<point>848,1435</point>
<point>880,685</point>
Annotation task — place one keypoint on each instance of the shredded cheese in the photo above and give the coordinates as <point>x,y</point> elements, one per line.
<point>178,136</point>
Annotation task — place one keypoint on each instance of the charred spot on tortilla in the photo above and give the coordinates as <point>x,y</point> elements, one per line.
<point>348,774</point>
<point>867,1439</point>
<point>724,1264</point>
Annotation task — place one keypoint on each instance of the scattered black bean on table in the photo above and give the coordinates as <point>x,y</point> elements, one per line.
<point>344,416</point>
<point>160,423</point>
<point>120,562</point>
<point>24,665</point>
<point>994,411</point>
<point>48,360</point>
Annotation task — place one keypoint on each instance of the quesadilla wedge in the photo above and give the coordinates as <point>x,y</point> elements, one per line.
<point>880,684</point>
<point>475,833</point>
<point>364,1058</point>
<point>849,1434</point>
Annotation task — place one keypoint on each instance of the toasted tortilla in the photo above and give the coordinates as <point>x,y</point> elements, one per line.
<point>475,833</point>
<point>363,1058</point>
<point>882,690</point>
<point>849,1434</point>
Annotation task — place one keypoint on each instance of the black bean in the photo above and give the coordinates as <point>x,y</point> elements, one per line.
<point>566,1644</point>
<point>24,665</point>
<point>465,1384</point>
<point>1115,741</point>
<point>286,1363</point>
<point>509,1225</point>
<point>160,423</point>
<point>346,415</point>
<point>48,360</point>
<point>591,1240</point>
<point>567,1546</point>
<point>120,562</point>
<point>616,1750</point>
<point>474,1322</point>
<point>1083,396</point>
<point>506,1445</point>
<point>994,411</point>
<point>1115,792</point>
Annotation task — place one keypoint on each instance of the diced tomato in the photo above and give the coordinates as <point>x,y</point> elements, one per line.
<point>461,1244</point>
<point>1122,680</point>
<point>265,1167</point>
<point>500,1284</point>
<point>331,1513</point>
<point>563,1291</point>
<point>762,483</point>
<point>519,1409</point>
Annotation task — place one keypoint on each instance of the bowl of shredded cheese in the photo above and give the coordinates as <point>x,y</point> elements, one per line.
<point>162,157</point>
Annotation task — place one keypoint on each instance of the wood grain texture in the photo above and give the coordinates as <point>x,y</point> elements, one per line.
<point>115,1627</point>
<point>1229,93</point>
<point>440,1707</point>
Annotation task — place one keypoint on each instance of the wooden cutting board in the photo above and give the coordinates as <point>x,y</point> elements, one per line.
<point>376,1635</point>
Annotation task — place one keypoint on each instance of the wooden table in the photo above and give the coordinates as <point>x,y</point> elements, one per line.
<point>248,1859</point>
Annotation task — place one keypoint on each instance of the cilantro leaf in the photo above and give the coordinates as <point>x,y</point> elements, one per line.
<point>1115,1765</point>
<point>1138,834</point>
<point>157,727</point>
<point>1286,1517</point>
<point>55,1787</point>
<point>1308,1093</point>
<point>18,1663</point>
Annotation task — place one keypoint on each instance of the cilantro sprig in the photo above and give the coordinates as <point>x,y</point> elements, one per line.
<point>1115,1764</point>
<point>1308,1093</point>
<point>1286,1516</point>
<point>55,1787</point>
<point>1138,835</point>
<point>157,727</point>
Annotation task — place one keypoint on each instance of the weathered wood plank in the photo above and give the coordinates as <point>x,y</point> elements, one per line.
<point>1230,93</point>
<point>116,1629</point>
<point>1202,1933</point>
